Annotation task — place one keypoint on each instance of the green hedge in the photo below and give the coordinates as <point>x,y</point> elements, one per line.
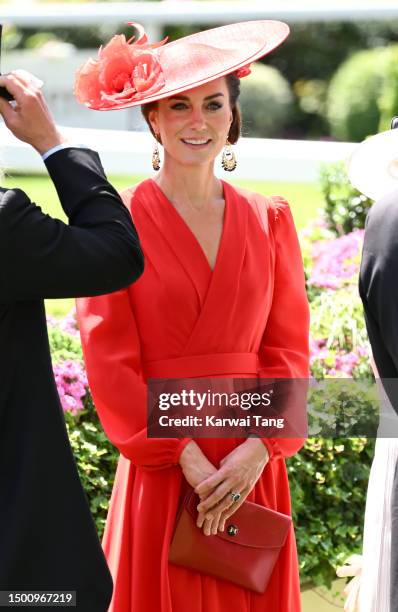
<point>95,456</point>
<point>362,95</point>
<point>266,100</point>
<point>328,481</point>
<point>345,208</point>
<point>96,460</point>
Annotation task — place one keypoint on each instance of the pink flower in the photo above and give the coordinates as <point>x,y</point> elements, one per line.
<point>346,362</point>
<point>336,361</point>
<point>336,262</point>
<point>72,384</point>
<point>69,323</point>
<point>122,74</point>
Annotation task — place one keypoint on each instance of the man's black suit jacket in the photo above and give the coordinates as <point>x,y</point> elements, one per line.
<point>48,539</point>
<point>378,288</point>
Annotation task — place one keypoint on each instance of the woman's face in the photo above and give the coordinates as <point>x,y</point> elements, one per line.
<point>194,125</point>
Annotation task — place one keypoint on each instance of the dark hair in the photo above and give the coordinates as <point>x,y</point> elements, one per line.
<point>233,84</point>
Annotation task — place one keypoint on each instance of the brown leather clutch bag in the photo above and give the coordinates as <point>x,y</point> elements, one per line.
<point>245,553</point>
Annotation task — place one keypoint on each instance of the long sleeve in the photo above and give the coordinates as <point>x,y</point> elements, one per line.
<point>112,354</point>
<point>284,351</point>
<point>378,290</point>
<point>42,257</point>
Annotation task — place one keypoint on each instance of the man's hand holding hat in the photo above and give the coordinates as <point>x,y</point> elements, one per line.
<point>29,118</point>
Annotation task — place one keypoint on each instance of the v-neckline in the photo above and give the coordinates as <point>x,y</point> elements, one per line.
<point>182,221</point>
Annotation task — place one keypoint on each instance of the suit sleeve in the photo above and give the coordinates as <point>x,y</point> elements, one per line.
<point>111,348</point>
<point>42,257</point>
<point>284,351</point>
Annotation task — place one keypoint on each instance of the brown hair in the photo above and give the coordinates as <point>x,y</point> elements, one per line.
<point>233,84</point>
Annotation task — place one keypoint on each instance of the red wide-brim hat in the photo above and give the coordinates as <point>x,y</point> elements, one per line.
<point>129,73</point>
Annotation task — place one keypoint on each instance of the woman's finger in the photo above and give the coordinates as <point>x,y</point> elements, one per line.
<point>222,496</point>
<point>210,525</point>
<point>207,486</point>
<point>232,509</point>
<point>207,527</point>
<point>200,520</point>
<point>215,527</point>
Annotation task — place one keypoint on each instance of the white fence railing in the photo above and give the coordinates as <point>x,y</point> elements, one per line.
<point>189,12</point>
<point>125,153</point>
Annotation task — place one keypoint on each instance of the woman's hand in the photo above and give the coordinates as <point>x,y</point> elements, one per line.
<point>195,465</point>
<point>238,473</point>
<point>197,468</point>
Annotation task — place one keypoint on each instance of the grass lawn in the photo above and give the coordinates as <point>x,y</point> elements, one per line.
<point>305,199</point>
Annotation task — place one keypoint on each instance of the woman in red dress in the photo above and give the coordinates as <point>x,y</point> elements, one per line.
<point>222,294</point>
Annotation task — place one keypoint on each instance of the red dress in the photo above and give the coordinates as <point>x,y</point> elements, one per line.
<point>248,317</point>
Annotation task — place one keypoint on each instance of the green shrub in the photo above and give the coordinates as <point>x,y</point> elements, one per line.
<point>388,102</point>
<point>95,456</point>
<point>341,407</point>
<point>63,345</point>
<point>354,91</point>
<point>96,460</point>
<point>345,207</point>
<point>328,481</point>
<point>266,100</point>
<point>359,100</point>
<point>337,316</point>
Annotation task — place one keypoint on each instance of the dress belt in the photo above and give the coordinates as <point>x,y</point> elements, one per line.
<point>192,366</point>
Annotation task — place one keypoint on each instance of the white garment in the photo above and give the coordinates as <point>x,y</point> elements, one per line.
<point>374,591</point>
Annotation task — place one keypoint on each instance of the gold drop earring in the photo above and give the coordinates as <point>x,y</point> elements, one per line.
<point>228,160</point>
<point>156,157</point>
